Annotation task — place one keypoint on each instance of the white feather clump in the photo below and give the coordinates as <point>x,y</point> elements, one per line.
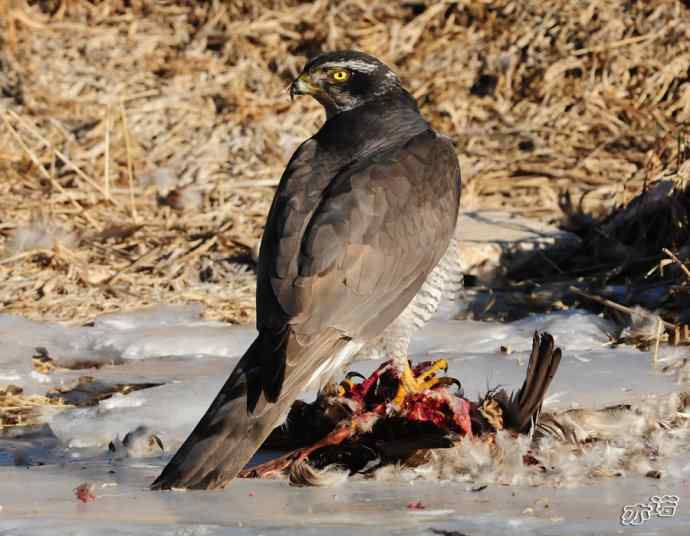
<point>675,360</point>
<point>570,448</point>
<point>139,443</point>
<point>303,474</point>
<point>398,472</point>
<point>163,178</point>
<point>643,328</point>
<point>190,199</point>
<point>478,461</point>
<point>40,235</point>
<point>167,182</point>
<point>512,451</point>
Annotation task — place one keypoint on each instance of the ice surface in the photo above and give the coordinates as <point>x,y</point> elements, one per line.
<point>168,315</point>
<point>193,357</point>
<point>124,506</point>
<point>171,411</point>
<point>591,372</point>
<point>160,332</point>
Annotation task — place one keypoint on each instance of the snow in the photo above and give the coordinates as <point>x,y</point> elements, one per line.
<point>192,358</point>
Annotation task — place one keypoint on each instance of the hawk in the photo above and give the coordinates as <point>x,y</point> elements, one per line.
<point>358,251</point>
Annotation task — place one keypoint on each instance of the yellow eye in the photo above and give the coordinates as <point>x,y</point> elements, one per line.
<point>340,75</point>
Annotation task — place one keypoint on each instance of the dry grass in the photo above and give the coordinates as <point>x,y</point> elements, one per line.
<point>140,140</point>
<point>19,409</point>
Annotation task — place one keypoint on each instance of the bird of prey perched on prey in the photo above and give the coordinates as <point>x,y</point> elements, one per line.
<point>358,251</point>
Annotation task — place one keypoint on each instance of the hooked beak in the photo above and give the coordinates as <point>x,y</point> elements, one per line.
<point>303,85</point>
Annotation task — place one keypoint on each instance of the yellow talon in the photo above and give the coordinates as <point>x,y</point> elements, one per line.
<point>344,387</point>
<point>428,376</point>
<point>409,384</point>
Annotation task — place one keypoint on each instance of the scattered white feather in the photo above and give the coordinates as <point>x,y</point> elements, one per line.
<point>139,443</point>
<point>644,326</point>
<point>163,178</point>
<point>41,235</point>
<point>190,199</point>
<point>645,439</point>
<point>303,474</point>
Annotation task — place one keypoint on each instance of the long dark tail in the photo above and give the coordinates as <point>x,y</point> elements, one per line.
<point>227,435</point>
<point>241,417</point>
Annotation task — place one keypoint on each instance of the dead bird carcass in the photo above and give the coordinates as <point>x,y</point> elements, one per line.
<point>365,426</point>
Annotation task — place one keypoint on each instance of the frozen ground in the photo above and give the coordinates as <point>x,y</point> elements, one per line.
<point>192,358</point>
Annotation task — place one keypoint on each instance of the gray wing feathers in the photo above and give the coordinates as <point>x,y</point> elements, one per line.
<point>372,241</point>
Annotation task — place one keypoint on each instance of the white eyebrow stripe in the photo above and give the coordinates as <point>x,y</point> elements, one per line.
<point>355,65</point>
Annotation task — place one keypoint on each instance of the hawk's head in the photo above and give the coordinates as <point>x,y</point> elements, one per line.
<point>344,80</point>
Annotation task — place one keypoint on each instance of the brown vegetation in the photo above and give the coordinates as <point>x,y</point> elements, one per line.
<point>140,140</point>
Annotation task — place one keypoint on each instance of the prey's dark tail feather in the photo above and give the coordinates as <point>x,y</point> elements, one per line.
<point>526,402</point>
<point>520,410</point>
